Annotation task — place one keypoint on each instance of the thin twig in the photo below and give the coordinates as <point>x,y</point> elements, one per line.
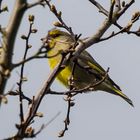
<point>46,125</point>
<point>123,10</point>
<point>100,7</point>
<point>22,74</point>
<point>117,5</point>
<point>118,9</point>
<point>67,119</point>
<point>59,17</point>
<point>126,29</point>
<point>70,103</point>
<point>38,55</point>
<point>0,3</point>
<point>39,2</point>
<point>3,9</point>
<point>100,32</point>
<point>69,100</point>
<point>37,100</point>
<point>85,89</point>
<point>111,10</point>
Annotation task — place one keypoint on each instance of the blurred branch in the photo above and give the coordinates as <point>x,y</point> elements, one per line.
<point>111,11</point>
<point>0,3</point>
<point>39,2</point>
<point>117,5</point>
<point>124,9</point>
<point>9,35</point>
<point>3,9</point>
<point>8,39</point>
<point>100,7</point>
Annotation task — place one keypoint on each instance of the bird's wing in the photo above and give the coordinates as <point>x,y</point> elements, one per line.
<point>87,61</point>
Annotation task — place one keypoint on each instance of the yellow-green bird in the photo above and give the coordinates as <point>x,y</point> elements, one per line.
<point>87,71</point>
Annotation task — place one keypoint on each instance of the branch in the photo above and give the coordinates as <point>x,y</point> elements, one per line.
<point>67,120</point>
<point>38,55</point>
<point>9,36</point>
<point>118,9</point>
<point>45,125</point>
<point>127,28</point>
<point>36,101</point>
<point>0,3</point>
<point>117,5</point>
<point>39,2</point>
<point>71,93</point>
<point>3,9</point>
<point>100,7</point>
<point>123,10</point>
<point>100,32</point>
<point>26,38</point>
<point>74,92</point>
<point>111,10</point>
<point>58,15</point>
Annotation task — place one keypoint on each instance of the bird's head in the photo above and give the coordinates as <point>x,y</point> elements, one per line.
<point>54,33</point>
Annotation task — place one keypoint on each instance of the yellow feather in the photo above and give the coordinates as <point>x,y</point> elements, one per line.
<point>59,41</point>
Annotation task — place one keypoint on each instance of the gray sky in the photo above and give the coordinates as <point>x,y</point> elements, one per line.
<point>97,115</point>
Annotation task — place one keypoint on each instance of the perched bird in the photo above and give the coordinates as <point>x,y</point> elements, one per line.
<point>87,71</point>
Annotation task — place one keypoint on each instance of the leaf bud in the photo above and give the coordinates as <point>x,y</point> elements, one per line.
<point>57,24</point>
<point>53,9</point>
<point>24,37</point>
<point>31,18</point>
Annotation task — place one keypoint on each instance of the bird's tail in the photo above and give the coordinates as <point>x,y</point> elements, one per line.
<point>119,93</point>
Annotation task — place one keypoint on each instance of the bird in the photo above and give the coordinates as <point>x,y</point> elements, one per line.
<point>87,72</point>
